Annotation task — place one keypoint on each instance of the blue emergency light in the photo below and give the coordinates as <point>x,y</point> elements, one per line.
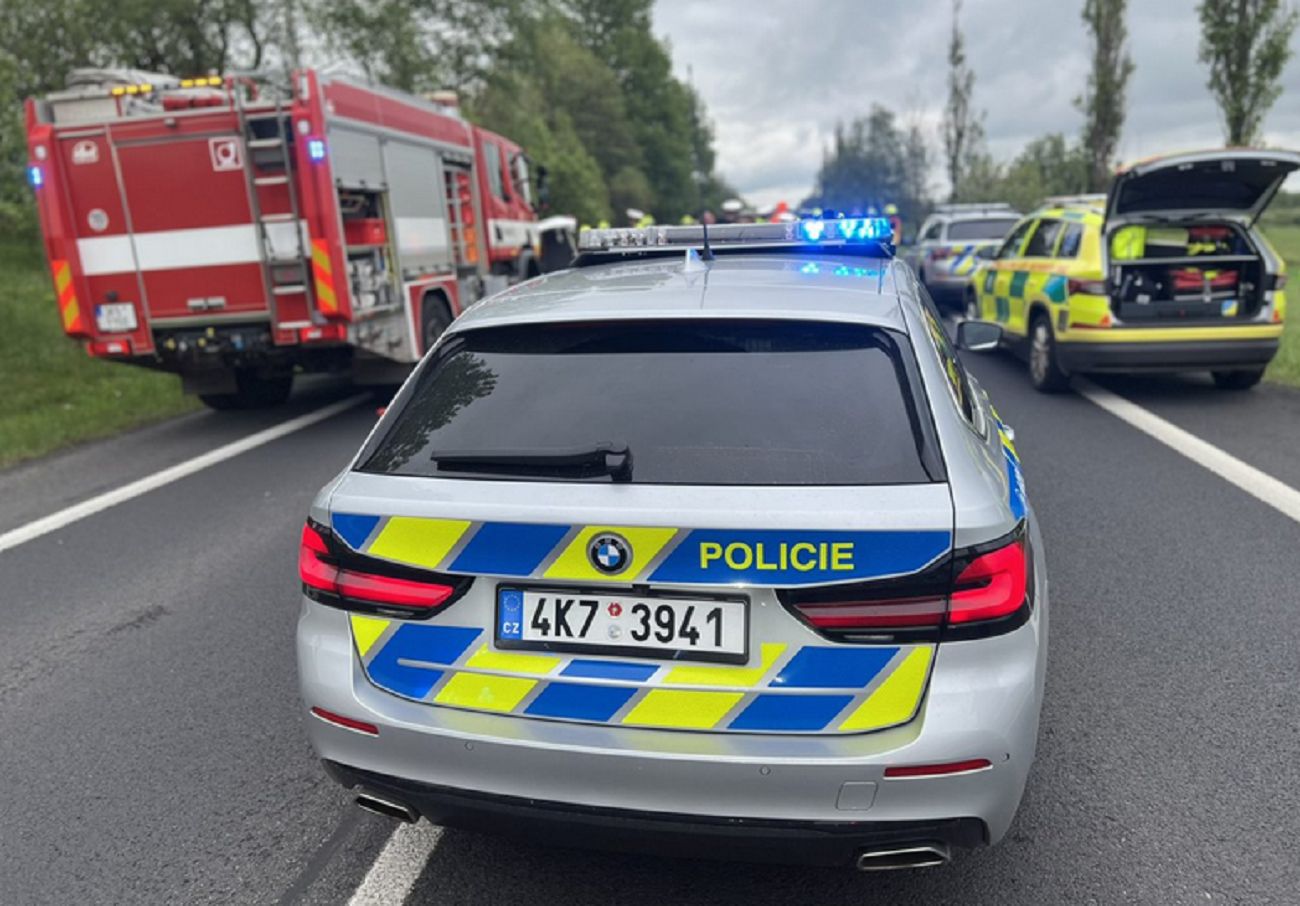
<point>35,176</point>
<point>316,148</point>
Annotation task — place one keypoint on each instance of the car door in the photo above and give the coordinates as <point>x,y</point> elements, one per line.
<point>1029,284</point>
<point>994,289</point>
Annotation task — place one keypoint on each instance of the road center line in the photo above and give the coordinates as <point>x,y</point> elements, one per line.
<point>1277,494</point>
<point>398,866</point>
<point>69,515</point>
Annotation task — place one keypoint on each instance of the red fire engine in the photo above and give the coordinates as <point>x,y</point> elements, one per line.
<point>235,234</point>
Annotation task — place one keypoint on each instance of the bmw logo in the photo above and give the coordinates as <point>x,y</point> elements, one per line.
<point>609,553</point>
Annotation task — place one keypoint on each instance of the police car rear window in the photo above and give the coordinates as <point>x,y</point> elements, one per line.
<point>684,402</point>
<point>994,228</point>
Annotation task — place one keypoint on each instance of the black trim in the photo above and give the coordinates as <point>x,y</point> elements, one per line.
<point>1167,355</point>
<point>344,557</point>
<point>660,833</point>
<point>621,651</point>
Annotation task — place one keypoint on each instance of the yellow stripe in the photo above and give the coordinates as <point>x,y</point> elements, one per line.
<point>574,563</point>
<point>738,677</point>
<point>1170,334</point>
<point>1008,443</point>
<point>419,542</point>
<point>509,662</point>
<point>366,631</point>
<point>320,256</point>
<point>70,314</point>
<point>679,708</point>
<point>896,700</point>
<point>62,276</point>
<point>484,693</point>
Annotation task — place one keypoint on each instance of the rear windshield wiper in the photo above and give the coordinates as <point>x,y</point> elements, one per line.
<point>614,460</point>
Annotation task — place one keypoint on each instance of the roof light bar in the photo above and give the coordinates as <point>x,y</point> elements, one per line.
<point>850,230</point>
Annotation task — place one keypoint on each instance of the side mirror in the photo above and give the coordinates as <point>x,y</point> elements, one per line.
<point>979,336</point>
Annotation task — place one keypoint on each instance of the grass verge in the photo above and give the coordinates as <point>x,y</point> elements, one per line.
<point>51,393</point>
<point>1285,369</point>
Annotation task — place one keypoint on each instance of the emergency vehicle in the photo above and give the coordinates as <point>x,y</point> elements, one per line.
<point>1169,272</point>
<point>235,231</point>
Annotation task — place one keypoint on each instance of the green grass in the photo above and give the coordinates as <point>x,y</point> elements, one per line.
<point>1285,237</point>
<point>51,393</point>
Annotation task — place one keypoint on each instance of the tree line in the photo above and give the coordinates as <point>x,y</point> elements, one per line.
<point>1244,46</point>
<point>583,85</point>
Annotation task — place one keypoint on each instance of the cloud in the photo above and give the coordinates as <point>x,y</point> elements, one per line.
<point>776,77</point>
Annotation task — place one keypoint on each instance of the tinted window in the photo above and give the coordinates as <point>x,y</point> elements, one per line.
<point>952,368</point>
<point>492,160</point>
<point>1071,239</point>
<point>993,228</point>
<point>1012,245</point>
<point>931,232</point>
<point>1044,239</point>
<point>699,402</point>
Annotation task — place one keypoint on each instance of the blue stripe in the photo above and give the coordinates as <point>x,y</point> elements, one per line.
<point>834,668</point>
<point>576,701</point>
<point>615,670</point>
<point>1016,489</point>
<point>869,555</point>
<point>790,712</point>
<point>354,529</point>
<point>508,548</point>
<point>435,644</point>
<point>1055,288</point>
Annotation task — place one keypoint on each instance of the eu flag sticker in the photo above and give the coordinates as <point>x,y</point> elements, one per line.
<point>510,614</point>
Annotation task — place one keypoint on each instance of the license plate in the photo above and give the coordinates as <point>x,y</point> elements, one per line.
<point>706,629</point>
<point>115,317</point>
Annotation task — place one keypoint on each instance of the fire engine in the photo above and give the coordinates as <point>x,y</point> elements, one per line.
<point>235,232</point>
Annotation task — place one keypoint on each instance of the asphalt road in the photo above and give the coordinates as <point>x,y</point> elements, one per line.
<point>151,736</point>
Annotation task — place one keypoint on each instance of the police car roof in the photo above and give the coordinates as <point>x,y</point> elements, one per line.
<point>804,286</point>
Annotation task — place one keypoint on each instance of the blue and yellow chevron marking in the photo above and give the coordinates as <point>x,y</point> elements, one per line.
<point>768,558</point>
<point>785,689</point>
<point>1015,478</point>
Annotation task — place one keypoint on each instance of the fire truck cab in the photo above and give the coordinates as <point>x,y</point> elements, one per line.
<point>237,232</point>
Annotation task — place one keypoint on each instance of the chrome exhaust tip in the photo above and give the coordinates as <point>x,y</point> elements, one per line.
<point>922,855</point>
<point>388,808</point>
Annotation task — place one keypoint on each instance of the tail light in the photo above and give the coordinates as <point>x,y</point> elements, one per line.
<point>326,578</point>
<point>979,591</point>
<point>1086,287</point>
<point>1275,282</point>
<point>941,252</point>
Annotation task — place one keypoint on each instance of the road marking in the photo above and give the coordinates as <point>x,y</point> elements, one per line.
<point>69,515</point>
<point>398,866</point>
<point>1277,494</point>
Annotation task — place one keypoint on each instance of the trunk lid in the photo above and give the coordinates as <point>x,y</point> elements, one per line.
<point>1232,184</point>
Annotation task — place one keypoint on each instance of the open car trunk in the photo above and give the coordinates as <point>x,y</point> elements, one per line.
<point>1178,238</point>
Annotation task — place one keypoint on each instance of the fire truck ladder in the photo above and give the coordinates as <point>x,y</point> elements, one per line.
<point>268,164</point>
<point>456,184</point>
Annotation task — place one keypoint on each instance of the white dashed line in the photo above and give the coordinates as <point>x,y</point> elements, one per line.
<point>398,867</point>
<point>69,515</point>
<point>1277,494</point>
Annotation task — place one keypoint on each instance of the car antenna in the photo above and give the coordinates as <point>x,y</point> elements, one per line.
<point>706,253</point>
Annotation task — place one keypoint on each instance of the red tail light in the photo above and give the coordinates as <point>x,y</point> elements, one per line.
<point>941,252</point>
<point>970,765</point>
<point>1086,287</point>
<point>989,586</point>
<point>320,573</point>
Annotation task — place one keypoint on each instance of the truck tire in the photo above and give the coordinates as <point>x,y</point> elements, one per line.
<point>253,391</point>
<point>1045,372</point>
<point>1239,379</point>
<point>436,317</point>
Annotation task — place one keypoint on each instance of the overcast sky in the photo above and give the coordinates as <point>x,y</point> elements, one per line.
<point>776,76</point>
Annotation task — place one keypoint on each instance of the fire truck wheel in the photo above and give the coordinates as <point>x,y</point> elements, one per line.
<point>253,391</point>
<point>436,319</point>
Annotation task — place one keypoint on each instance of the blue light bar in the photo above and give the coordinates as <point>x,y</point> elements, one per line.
<point>35,176</point>
<point>316,148</point>
<point>824,233</point>
<point>865,229</point>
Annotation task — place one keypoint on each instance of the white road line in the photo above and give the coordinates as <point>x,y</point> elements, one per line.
<point>69,515</point>
<point>398,866</point>
<point>1279,495</point>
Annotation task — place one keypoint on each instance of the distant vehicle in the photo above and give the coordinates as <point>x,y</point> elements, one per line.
<point>700,549</point>
<point>951,242</point>
<point>1167,273</point>
<point>234,231</point>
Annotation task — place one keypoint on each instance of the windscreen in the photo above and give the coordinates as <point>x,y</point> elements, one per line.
<point>992,228</point>
<point>684,402</point>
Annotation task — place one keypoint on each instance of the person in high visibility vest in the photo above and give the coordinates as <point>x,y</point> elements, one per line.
<point>895,224</point>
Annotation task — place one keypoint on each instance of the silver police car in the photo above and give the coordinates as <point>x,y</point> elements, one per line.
<point>952,243</point>
<point>701,546</point>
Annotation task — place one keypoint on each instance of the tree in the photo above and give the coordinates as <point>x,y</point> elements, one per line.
<point>963,129</point>
<point>872,163</point>
<point>1246,45</point>
<point>1048,165</point>
<point>1103,102</point>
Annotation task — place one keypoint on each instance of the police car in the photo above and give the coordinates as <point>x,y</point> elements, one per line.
<point>706,546</point>
<point>1169,272</point>
<point>952,243</point>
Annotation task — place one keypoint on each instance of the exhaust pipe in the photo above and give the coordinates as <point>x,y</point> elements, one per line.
<point>387,807</point>
<point>921,855</point>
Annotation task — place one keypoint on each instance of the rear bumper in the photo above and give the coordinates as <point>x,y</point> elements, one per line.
<point>692,836</point>
<point>1166,356</point>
